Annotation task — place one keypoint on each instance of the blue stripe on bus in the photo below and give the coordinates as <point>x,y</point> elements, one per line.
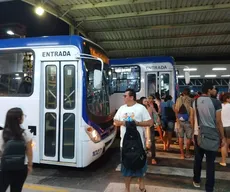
<point>41,41</point>
<point>139,60</point>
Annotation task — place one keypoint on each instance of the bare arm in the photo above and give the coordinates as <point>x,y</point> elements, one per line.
<point>29,153</point>
<point>191,117</point>
<point>145,123</point>
<point>219,124</point>
<point>118,123</point>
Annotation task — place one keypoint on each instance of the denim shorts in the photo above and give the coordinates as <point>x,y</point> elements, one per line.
<point>168,126</point>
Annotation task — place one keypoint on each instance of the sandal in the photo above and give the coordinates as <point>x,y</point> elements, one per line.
<point>188,156</point>
<point>223,164</point>
<point>154,162</point>
<point>142,190</point>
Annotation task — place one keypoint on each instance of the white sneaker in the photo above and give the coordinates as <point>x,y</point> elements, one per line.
<point>197,185</point>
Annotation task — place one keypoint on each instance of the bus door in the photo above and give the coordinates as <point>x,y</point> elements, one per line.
<point>151,83</point>
<point>165,88</point>
<point>59,112</point>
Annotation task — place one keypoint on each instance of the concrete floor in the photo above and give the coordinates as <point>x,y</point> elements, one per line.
<point>104,175</point>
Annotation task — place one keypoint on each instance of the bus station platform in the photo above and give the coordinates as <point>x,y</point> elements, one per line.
<point>112,187</point>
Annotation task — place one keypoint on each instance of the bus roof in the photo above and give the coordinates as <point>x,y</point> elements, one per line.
<point>131,61</point>
<point>45,41</point>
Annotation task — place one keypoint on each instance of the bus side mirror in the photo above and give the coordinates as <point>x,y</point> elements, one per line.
<point>97,79</point>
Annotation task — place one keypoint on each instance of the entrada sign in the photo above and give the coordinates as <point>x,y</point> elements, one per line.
<point>156,67</point>
<point>56,54</point>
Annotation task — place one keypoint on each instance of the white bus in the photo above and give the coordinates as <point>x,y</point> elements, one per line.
<point>145,75</point>
<point>61,84</point>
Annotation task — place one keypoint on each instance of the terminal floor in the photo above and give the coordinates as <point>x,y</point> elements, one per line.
<point>171,174</point>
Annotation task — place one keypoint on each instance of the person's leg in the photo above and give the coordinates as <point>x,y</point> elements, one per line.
<point>142,184</point>
<point>127,184</point>
<point>19,179</point>
<point>160,132</point>
<point>153,145</point>
<point>181,139</point>
<point>189,133</point>
<point>210,170</point>
<point>165,138</point>
<point>199,154</point>
<point>224,153</point>
<point>169,133</point>
<point>228,139</point>
<point>228,146</point>
<point>4,181</point>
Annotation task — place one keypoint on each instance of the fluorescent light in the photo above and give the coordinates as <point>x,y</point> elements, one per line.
<point>190,69</point>
<point>9,32</point>
<point>219,69</point>
<point>194,75</point>
<point>225,75</point>
<point>210,76</point>
<point>180,76</point>
<point>39,11</point>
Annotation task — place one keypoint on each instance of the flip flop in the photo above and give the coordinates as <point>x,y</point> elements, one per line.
<point>142,190</point>
<point>153,162</point>
<point>223,164</point>
<point>188,156</point>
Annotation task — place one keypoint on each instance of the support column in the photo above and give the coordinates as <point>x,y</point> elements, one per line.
<point>71,30</point>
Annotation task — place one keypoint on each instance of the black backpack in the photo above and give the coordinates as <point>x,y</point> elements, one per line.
<point>169,113</point>
<point>13,156</point>
<point>183,113</point>
<point>133,153</point>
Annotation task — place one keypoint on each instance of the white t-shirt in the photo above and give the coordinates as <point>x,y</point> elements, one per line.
<point>136,112</point>
<point>27,136</point>
<point>225,115</point>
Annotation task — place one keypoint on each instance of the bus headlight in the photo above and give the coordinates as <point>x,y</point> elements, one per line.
<point>93,134</point>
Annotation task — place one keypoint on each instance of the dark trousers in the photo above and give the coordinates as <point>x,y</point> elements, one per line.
<point>153,146</point>
<point>210,166</point>
<point>14,179</point>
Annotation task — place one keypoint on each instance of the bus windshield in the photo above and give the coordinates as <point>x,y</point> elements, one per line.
<point>97,100</point>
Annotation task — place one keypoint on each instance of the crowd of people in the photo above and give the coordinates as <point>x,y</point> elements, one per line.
<point>201,120</point>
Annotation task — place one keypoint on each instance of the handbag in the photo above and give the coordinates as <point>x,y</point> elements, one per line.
<point>208,138</point>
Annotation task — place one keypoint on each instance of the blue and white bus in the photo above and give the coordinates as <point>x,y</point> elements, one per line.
<point>61,84</point>
<point>145,75</point>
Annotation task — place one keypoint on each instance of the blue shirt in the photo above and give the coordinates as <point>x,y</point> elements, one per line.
<point>169,103</point>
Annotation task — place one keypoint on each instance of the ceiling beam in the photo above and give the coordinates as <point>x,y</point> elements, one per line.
<point>170,47</point>
<point>166,37</point>
<point>1,1</point>
<point>107,4</point>
<point>155,12</point>
<point>56,12</point>
<point>169,26</point>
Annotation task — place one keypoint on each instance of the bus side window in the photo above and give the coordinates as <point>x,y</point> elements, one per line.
<point>16,73</point>
<point>25,86</point>
<point>126,77</point>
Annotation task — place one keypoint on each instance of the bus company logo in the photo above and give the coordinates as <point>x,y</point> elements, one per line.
<point>156,67</point>
<point>56,54</point>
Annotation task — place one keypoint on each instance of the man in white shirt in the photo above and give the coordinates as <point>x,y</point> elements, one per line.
<point>132,111</point>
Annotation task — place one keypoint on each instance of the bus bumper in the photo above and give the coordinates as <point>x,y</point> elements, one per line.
<point>96,150</point>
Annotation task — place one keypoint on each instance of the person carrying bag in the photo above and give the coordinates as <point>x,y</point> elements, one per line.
<point>15,152</point>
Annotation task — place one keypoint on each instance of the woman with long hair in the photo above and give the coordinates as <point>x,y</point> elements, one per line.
<point>226,124</point>
<point>13,132</point>
<point>144,101</point>
<point>156,118</point>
